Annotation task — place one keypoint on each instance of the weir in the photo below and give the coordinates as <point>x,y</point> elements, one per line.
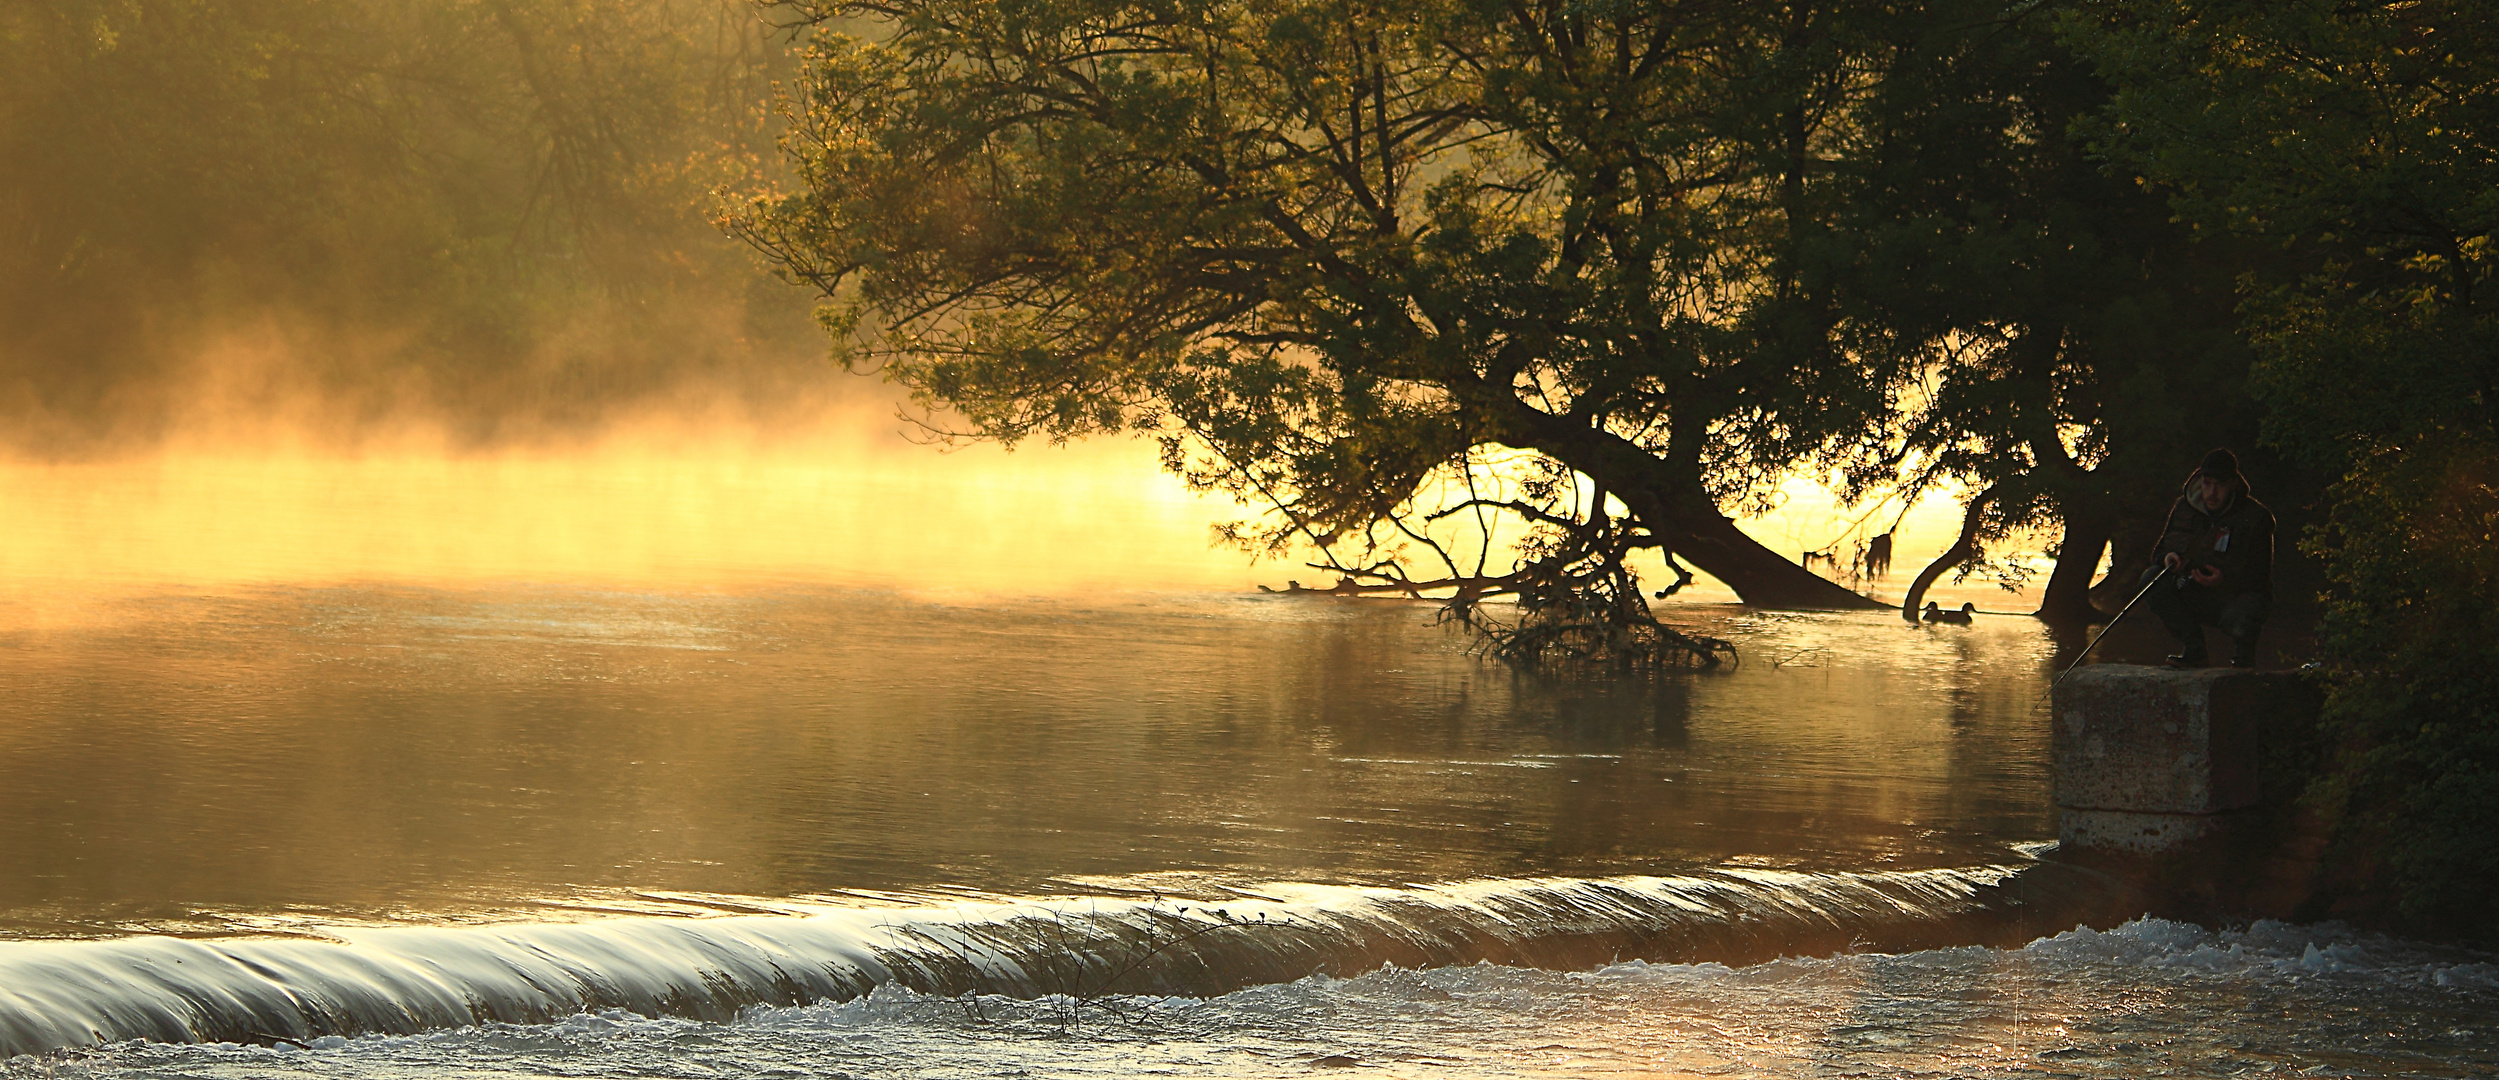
<point>61,994</point>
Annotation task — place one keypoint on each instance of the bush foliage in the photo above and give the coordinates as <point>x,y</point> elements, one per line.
<point>2358,142</point>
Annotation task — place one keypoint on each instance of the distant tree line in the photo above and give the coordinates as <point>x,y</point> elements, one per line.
<point>1587,277</point>
<point>491,206</point>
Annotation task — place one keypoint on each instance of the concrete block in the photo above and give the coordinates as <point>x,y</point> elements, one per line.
<point>2135,834</point>
<point>2145,757</point>
<point>2157,740</point>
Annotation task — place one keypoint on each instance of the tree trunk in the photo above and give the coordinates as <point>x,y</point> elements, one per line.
<point>2068,596</point>
<point>2130,551</point>
<point>1962,550</point>
<point>1668,499</point>
<point>1760,576</point>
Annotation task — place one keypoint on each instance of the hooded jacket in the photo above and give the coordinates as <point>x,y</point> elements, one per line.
<point>2235,537</point>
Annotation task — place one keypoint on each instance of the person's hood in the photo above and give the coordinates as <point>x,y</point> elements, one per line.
<point>2235,490</point>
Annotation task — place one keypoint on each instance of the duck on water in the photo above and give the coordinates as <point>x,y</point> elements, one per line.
<point>1939,615</point>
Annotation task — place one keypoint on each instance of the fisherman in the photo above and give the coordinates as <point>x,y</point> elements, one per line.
<point>2218,551</point>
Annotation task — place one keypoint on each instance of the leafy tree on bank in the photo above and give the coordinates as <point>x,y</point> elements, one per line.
<point>1387,267</point>
<point>1599,272</point>
<point>2359,138</point>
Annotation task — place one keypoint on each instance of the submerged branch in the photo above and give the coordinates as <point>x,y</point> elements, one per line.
<point>1588,623</point>
<point>1601,626</point>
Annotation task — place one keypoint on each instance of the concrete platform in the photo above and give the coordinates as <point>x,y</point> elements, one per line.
<point>2152,761</point>
<point>2129,833</point>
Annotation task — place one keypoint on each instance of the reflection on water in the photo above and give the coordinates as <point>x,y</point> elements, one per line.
<point>198,764</point>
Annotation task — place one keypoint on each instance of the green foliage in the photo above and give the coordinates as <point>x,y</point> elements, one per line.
<point>2413,632</point>
<point>1346,257</point>
<point>2077,346</point>
<point>2358,139</point>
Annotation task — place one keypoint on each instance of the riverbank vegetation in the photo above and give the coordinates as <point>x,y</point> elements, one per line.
<point>1598,274</point>
<point>2357,144</point>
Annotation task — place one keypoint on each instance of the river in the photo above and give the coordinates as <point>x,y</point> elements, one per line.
<point>784,830</point>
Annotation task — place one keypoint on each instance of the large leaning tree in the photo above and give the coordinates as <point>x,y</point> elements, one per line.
<point>1543,269</point>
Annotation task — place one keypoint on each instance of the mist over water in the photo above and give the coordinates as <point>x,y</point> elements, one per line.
<point>663,504</point>
<point>709,738</point>
<point>674,498</point>
<point>682,735</point>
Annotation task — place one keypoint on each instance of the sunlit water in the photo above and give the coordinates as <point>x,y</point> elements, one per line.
<point>2147,999</point>
<point>800,831</point>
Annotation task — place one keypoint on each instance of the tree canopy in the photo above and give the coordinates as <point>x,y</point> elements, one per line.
<point>1600,273</point>
<point>2073,346</point>
<point>1350,257</point>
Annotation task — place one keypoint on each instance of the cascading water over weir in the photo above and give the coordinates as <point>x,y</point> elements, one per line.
<point>57,994</point>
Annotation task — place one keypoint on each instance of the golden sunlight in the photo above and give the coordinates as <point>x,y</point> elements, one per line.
<point>704,503</point>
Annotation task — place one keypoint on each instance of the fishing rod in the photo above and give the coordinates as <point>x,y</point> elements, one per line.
<point>2104,631</point>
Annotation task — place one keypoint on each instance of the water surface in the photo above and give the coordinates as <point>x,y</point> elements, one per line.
<point>195,763</point>
<point>776,831</point>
